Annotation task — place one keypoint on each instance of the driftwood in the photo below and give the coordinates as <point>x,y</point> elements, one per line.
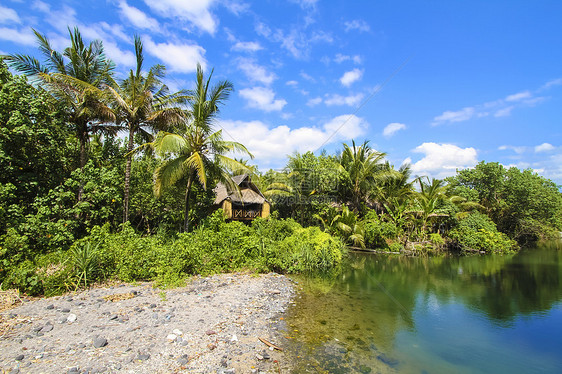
<point>270,344</point>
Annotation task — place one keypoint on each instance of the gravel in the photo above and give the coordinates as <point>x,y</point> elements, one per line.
<point>210,326</point>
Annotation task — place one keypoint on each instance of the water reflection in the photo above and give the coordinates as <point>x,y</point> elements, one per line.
<point>390,313</point>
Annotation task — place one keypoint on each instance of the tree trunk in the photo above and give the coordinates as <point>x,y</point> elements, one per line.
<point>187,196</point>
<point>83,138</point>
<point>128,176</point>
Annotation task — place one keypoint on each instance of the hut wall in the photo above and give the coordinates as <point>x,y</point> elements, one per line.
<point>227,208</point>
<point>265,210</point>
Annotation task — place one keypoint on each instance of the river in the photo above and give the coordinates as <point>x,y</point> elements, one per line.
<point>394,314</point>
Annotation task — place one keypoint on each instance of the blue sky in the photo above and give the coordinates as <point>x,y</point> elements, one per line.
<point>439,84</point>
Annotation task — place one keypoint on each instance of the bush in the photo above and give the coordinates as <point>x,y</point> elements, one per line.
<point>477,232</point>
<point>377,233</point>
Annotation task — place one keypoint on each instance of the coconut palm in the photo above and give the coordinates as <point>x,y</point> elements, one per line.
<point>362,170</point>
<point>197,150</point>
<point>142,103</point>
<point>74,78</point>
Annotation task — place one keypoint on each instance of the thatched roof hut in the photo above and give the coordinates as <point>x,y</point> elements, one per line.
<point>246,203</point>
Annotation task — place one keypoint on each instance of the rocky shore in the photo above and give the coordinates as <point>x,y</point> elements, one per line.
<point>213,325</point>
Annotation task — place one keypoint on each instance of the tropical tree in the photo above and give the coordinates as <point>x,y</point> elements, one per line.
<point>74,78</point>
<point>196,150</point>
<point>362,169</point>
<point>142,103</point>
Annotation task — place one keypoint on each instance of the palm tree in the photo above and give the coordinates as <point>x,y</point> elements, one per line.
<point>363,169</point>
<point>74,78</point>
<point>142,103</point>
<point>197,150</point>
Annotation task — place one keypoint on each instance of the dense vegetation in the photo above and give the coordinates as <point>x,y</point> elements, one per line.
<point>79,204</point>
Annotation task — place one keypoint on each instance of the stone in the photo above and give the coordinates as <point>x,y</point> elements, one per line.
<point>171,337</point>
<point>50,307</point>
<point>152,306</point>
<point>65,310</point>
<point>20,357</point>
<point>100,342</point>
<point>210,332</point>
<point>73,370</point>
<point>177,332</point>
<point>143,356</point>
<point>183,360</point>
<point>62,319</point>
<point>48,327</point>
<point>234,339</point>
<point>71,318</point>
<point>211,346</point>
<point>113,317</point>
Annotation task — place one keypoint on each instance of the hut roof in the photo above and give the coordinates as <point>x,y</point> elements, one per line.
<point>248,192</point>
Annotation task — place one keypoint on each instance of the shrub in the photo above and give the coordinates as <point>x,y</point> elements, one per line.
<point>477,232</point>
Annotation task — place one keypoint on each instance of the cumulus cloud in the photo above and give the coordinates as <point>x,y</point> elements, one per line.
<point>262,98</point>
<point>197,12</point>
<point>350,77</point>
<point>352,100</point>
<point>358,25</point>
<point>255,72</point>
<point>544,147</point>
<point>8,15</point>
<point>271,145</point>
<point>442,160</point>
<point>181,58</point>
<point>137,17</point>
<point>392,128</point>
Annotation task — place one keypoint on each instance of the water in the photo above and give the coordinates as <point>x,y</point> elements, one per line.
<point>391,314</point>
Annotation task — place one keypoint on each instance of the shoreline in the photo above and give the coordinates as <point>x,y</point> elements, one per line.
<point>212,325</point>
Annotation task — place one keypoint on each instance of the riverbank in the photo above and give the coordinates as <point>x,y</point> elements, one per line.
<point>213,325</point>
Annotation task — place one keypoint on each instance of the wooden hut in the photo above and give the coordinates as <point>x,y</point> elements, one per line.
<point>244,204</point>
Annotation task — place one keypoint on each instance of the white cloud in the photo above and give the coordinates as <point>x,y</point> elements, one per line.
<point>137,17</point>
<point>16,36</point>
<point>442,160</point>
<point>255,72</point>
<point>350,77</point>
<point>39,5</point>
<point>271,145</point>
<point>518,96</point>
<point>8,15</point>
<point>305,3</point>
<point>352,100</point>
<point>292,83</point>
<point>315,101</point>
<point>262,98</point>
<point>544,147</point>
<point>517,149</point>
<point>357,24</point>
<point>392,128</point>
<point>246,46</point>
<point>552,83</point>
<point>307,77</point>
<point>181,58</point>
<point>120,57</point>
<point>196,12</point>
<point>458,116</point>
<point>341,58</point>
<point>504,112</point>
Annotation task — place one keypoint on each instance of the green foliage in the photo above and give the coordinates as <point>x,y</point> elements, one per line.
<point>84,260</point>
<point>477,232</point>
<point>378,233</point>
<point>524,205</point>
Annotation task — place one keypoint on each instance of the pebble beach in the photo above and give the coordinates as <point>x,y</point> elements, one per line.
<point>227,323</point>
